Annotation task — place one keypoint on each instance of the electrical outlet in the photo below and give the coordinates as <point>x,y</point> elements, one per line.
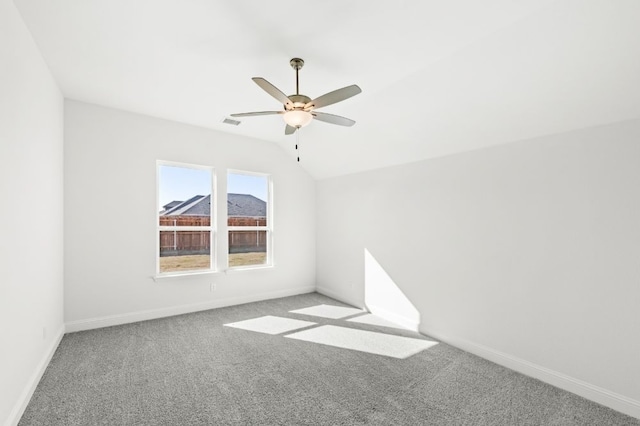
<point>212,287</point>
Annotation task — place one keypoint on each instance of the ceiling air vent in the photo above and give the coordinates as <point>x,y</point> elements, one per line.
<point>231,121</point>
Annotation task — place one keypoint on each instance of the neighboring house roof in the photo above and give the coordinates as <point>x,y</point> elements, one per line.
<point>170,205</point>
<point>194,206</point>
<point>244,205</point>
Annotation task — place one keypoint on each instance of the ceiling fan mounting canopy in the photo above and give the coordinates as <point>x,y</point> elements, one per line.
<point>299,110</point>
<point>296,63</point>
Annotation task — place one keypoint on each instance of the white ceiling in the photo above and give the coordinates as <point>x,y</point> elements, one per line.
<point>438,77</point>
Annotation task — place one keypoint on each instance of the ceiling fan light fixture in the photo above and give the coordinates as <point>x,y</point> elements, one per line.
<point>299,109</point>
<point>297,118</point>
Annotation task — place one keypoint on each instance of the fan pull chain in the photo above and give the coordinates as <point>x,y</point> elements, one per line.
<point>297,142</point>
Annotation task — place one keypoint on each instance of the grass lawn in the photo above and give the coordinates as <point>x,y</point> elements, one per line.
<point>184,263</point>
<point>244,259</point>
<point>201,261</point>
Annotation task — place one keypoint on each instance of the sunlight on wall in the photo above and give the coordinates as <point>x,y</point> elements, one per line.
<point>382,296</point>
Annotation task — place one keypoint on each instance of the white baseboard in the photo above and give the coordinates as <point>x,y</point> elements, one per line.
<point>32,384</point>
<point>407,323</point>
<point>591,392</point>
<point>108,321</point>
<point>334,295</point>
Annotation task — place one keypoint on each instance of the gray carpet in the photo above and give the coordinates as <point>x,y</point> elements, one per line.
<point>190,370</point>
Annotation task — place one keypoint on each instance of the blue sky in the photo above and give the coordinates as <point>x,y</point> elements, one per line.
<point>248,184</point>
<point>182,183</point>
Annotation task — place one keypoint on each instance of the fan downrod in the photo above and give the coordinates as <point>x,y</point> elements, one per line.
<point>296,64</point>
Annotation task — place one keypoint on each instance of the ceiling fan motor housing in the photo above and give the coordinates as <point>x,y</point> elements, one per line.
<point>299,101</point>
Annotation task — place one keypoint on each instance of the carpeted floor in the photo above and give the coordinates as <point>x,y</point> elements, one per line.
<point>192,370</point>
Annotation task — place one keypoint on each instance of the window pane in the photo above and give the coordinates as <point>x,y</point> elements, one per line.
<point>185,250</point>
<point>247,197</point>
<point>247,248</point>
<point>184,196</point>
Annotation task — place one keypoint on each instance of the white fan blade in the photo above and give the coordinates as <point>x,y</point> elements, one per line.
<point>289,130</point>
<point>273,91</point>
<point>251,114</point>
<point>333,119</point>
<point>333,97</point>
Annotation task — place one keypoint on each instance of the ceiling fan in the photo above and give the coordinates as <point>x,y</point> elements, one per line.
<point>299,110</point>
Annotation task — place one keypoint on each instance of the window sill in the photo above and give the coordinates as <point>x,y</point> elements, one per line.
<point>161,277</point>
<point>185,274</point>
<point>247,268</point>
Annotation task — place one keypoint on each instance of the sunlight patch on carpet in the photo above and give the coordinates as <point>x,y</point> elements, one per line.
<point>364,341</point>
<point>271,324</point>
<point>371,319</point>
<point>328,311</point>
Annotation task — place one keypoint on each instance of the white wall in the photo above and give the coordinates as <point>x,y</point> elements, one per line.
<point>31,319</point>
<point>526,253</point>
<point>110,218</point>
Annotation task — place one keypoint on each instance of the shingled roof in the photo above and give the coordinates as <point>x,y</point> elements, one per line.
<point>245,205</point>
<point>171,205</point>
<point>238,205</point>
<point>200,205</point>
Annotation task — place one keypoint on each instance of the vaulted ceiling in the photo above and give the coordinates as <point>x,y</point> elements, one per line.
<point>438,77</point>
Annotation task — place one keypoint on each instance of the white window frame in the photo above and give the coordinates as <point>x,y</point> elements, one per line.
<point>268,228</point>
<point>211,228</point>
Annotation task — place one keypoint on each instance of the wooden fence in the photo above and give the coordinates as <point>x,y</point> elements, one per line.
<point>178,243</point>
<point>175,243</point>
<point>247,241</point>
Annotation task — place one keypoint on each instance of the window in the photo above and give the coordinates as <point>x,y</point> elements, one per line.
<point>186,232</point>
<point>249,220</point>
